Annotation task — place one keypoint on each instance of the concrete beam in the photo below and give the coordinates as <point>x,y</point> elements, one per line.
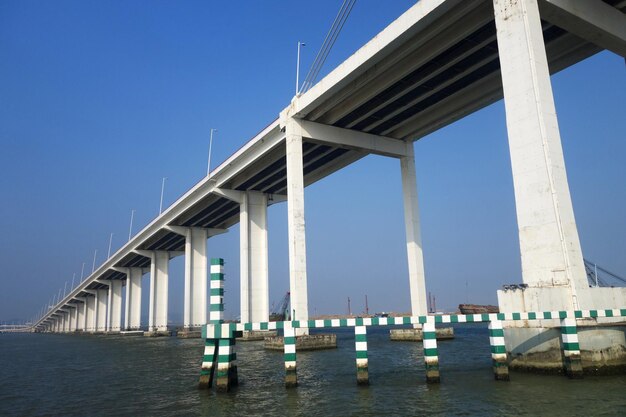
<point>232,195</point>
<point>592,20</point>
<point>350,139</point>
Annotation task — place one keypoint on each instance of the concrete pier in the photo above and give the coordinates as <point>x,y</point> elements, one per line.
<point>132,316</point>
<point>159,289</point>
<point>304,342</point>
<point>417,335</point>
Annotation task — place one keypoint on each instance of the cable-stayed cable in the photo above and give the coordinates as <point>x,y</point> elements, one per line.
<point>329,41</point>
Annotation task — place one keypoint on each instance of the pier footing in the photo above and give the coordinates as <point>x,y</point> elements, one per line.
<point>416,335</point>
<point>256,335</point>
<point>305,342</point>
<point>189,334</point>
<point>159,333</point>
<point>601,350</point>
<point>131,333</point>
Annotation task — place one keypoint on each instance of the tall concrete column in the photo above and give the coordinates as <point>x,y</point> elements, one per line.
<point>417,282</point>
<point>72,318</point>
<point>101,309</point>
<point>254,258</point>
<point>83,315</point>
<point>78,323</point>
<point>196,273</point>
<point>114,302</point>
<point>549,243</point>
<point>90,316</point>
<point>159,277</point>
<point>132,313</point>
<point>296,224</point>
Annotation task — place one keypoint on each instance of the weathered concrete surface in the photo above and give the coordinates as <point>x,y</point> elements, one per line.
<point>189,334</point>
<point>131,333</point>
<point>256,335</point>
<point>304,342</point>
<point>415,335</point>
<point>602,349</point>
<point>159,333</point>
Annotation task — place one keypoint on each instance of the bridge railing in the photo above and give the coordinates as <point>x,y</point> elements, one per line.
<point>220,357</point>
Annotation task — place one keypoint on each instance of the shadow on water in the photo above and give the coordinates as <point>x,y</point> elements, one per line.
<point>86,375</point>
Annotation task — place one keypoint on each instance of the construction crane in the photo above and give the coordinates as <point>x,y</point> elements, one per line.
<point>282,312</point>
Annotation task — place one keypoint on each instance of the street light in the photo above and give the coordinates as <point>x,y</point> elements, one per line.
<point>208,167</point>
<point>162,189</point>
<point>300,45</point>
<point>110,241</point>
<point>130,229</point>
<point>93,267</point>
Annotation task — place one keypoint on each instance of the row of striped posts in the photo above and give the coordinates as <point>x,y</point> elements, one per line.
<point>219,351</point>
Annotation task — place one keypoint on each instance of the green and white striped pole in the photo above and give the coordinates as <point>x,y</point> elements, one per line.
<point>216,296</point>
<point>360,344</point>
<point>289,337</point>
<point>498,351</point>
<point>571,348</point>
<point>208,359</point>
<point>431,355</point>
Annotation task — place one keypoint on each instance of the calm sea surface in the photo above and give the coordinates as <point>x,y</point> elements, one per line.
<point>87,375</point>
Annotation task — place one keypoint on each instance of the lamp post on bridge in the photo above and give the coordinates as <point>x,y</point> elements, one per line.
<point>162,190</point>
<point>208,168</point>
<point>300,45</point>
<point>130,229</point>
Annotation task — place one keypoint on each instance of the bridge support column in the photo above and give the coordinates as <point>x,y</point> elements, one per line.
<point>83,315</point>
<point>549,244</point>
<point>72,318</point>
<point>90,315</point>
<point>159,287</point>
<point>196,278</point>
<point>296,224</point>
<point>101,310</point>
<point>254,258</point>
<point>80,314</point>
<point>132,313</point>
<point>417,281</point>
<point>114,312</point>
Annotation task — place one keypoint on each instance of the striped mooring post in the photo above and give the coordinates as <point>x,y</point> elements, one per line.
<point>571,349</point>
<point>289,343</point>
<point>219,349</point>
<point>498,351</point>
<point>431,355</point>
<point>360,345</point>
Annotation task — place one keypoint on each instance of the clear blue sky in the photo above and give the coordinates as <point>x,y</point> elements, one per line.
<point>100,100</point>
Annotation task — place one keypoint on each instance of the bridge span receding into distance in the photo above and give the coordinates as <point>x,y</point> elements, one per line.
<point>437,63</point>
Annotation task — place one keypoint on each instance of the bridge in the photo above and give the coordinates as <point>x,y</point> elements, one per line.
<point>438,62</point>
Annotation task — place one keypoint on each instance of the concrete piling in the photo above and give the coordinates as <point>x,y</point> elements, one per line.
<point>226,365</point>
<point>208,359</point>
<point>498,351</point>
<point>360,344</point>
<point>291,376</point>
<point>571,349</point>
<point>431,355</point>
